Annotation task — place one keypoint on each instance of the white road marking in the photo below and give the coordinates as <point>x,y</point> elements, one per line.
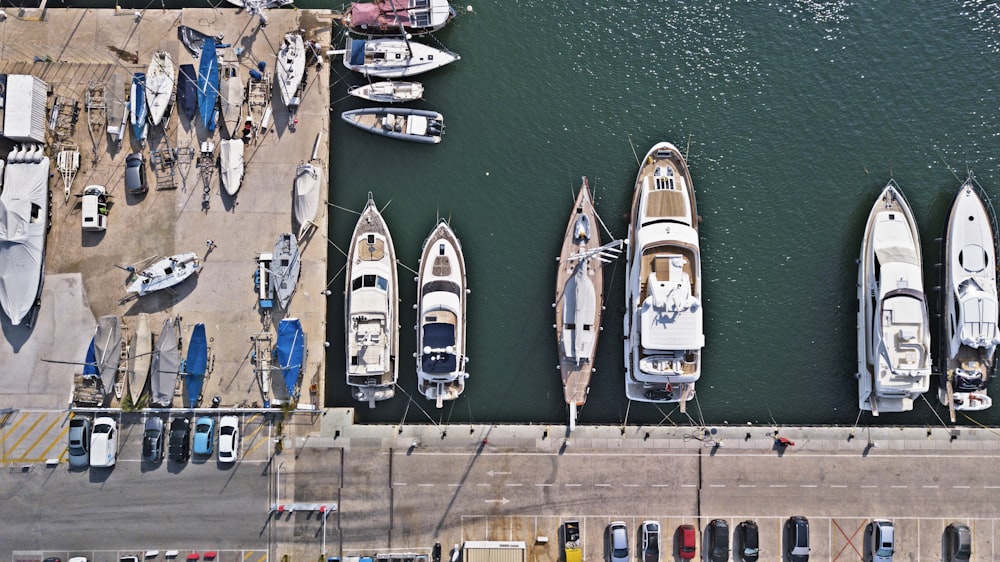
<point>748,485</point>
<point>807,486</point>
<point>574,485</point>
<point>425,485</point>
<point>838,486</point>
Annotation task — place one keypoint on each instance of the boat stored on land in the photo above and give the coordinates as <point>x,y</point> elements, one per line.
<point>894,353</point>
<point>140,356</point>
<point>163,273</point>
<point>231,99</point>
<point>969,309</point>
<point>397,17</point>
<point>290,355</point>
<point>208,84</point>
<point>417,125</point>
<point>118,109</point>
<point>285,268</point>
<point>159,86</point>
<point>196,365</point>
<point>231,164</point>
<point>187,91</point>
<point>105,352</point>
<point>305,205</point>
<point>290,68</point>
<point>165,366</point>
<point>372,310</point>
<point>579,303</point>
<point>442,298</point>
<point>24,220</point>
<point>138,112</point>
<point>393,58</point>
<point>388,91</point>
<point>664,332</point>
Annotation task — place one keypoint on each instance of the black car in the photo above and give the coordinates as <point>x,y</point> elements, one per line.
<point>749,541</point>
<point>797,539</point>
<point>152,440</point>
<point>957,543</point>
<point>180,439</point>
<point>718,540</point>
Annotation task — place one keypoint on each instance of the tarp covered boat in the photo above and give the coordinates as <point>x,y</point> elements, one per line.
<point>208,84</point>
<point>196,364</point>
<point>24,208</point>
<point>289,352</point>
<point>307,188</point>
<point>165,366</point>
<point>187,91</point>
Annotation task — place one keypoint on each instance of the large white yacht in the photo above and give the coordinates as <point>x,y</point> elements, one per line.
<point>372,310</point>
<point>441,298</point>
<point>894,354</point>
<point>969,304</point>
<point>663,319</point>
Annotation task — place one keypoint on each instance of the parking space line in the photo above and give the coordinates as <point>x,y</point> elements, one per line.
<point>27,433</point>
<point>62,435</point>
<point>42,436</point>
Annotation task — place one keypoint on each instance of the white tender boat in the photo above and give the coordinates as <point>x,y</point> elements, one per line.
<point>969,303</point>
<point>442,296</point>
<point>163,273</point>
<point>894,353</point>
<point>388,91</point>
<point>416,125</point>
<point>393,58</point>
<point>372,310</point>
<point>231,95</point>
<point>231,164</point>
<point>664,331</point>
<point>307,191</point>
<point>291,66</point>
<point>160,79</point>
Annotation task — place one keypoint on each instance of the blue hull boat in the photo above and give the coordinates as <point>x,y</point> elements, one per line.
<point>138,108</point>
<point>90,366</point>
<point>187,91</point>
<point>196,364</point>
<point>289,351</point>
<point>208,85</point>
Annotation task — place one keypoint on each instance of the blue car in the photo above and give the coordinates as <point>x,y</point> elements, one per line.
<point>204,436</point>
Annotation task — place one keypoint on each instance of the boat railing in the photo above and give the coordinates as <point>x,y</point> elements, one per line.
<point>990,210</point>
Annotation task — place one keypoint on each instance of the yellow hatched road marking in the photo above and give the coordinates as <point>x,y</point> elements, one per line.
<point>42,436</point>
<point>252,418</point>
<point>247,554</point>
<point>62,435</point>
<point>27,433</point>
<point>254,448</point>
<point>262,558</point>
<point>20,419</point>
<point>253,434</point>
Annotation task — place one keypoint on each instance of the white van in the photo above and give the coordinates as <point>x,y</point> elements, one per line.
<point>95,208</point>
<point>104,443</point>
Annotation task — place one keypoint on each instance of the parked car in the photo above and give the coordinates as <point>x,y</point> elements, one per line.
<point>104,443</point>
<point>686,538</point>
<point>180,439</point>
<point>94,208</point>
<point>135,174</point>
<point>619,541</point>
<point>79,442</point>
<point>204,435</point>
<point>957,543</point>
<point>718,540</point>
<point>152,440</point>
<point>880,540</point>
<point>229,438</point>
<point>749,541</point>
<point>797,539</point>
<point>650,546</point>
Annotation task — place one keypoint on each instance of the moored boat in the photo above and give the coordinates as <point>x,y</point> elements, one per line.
<point>165,366</point>
<point>208,84</point>
<point>231,164</point>
<point>579,303</point>
<point>393,58</point>
<point>159,86</point>
<point>195,365</point>
<point>138,112</point>
<point>388,91</point>
<point>163,273</point>
<point>290,68</point>
<point>969,333</point>
<point>396,17</point>
<point>371,310</point>
<point>894,354</point>
<point>664,332</point>
<point>285,268</point>
<point>231,98</point>
<point>417,125</point>
<point>140,356</point>
<point>442,298</point>
<point>307,191</point>
<point>187,91</point>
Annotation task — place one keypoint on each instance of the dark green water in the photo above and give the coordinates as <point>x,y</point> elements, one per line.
<point>794,116</point>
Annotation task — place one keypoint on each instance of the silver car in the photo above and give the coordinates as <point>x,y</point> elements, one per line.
<point>79,442</point>
<point>618,541</point>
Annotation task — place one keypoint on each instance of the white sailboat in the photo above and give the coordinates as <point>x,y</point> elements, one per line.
<point>894,353</point>
<point>372,310</point>
<point>160,79</point>
<point>290,68</point>
<point>969,301</point>
<point>231,96</point>
<point>307,191</point>
<point>393,58</point>
<point>664,329</point>
<point>442,297</point>
<point>163,273</point>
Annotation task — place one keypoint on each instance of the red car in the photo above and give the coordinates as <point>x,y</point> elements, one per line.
<point>686,540</point>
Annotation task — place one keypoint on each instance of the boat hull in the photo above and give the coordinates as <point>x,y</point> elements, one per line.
<point>187,91</point>
<point>195,365</point>
<point>663,319</point>
<point>208,85</point>
<point>394,58</point>
<point>138,112</point>
<point>165,366</point>
<point>307,191</point>
<point>231,164</point>
<point>388,91</point>
<point>290,68</point>
<point>139,358</point>
<point>159,86</point>
<point>415,125</point>
<point>391,17</point>
<point>164,273</point>
<point>285,268</point>
<point>231,97</point>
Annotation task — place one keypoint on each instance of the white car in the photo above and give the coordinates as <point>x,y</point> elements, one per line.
<point>94,208</point>
<point>229,438</point>
<point>104,443</point>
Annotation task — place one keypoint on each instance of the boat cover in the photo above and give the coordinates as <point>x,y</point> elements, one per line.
<point>90,363</point>
<point>187,90</point>
<point>196,364</point>
<point>306,202</point>
<point>439,336</point>
<point>23,216</point>
<point>208,84</point>
<point>108,349</point>
<point>192,39</point>
<point>357,52</point>
<point>166,364</point>
<point>289,351</point>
